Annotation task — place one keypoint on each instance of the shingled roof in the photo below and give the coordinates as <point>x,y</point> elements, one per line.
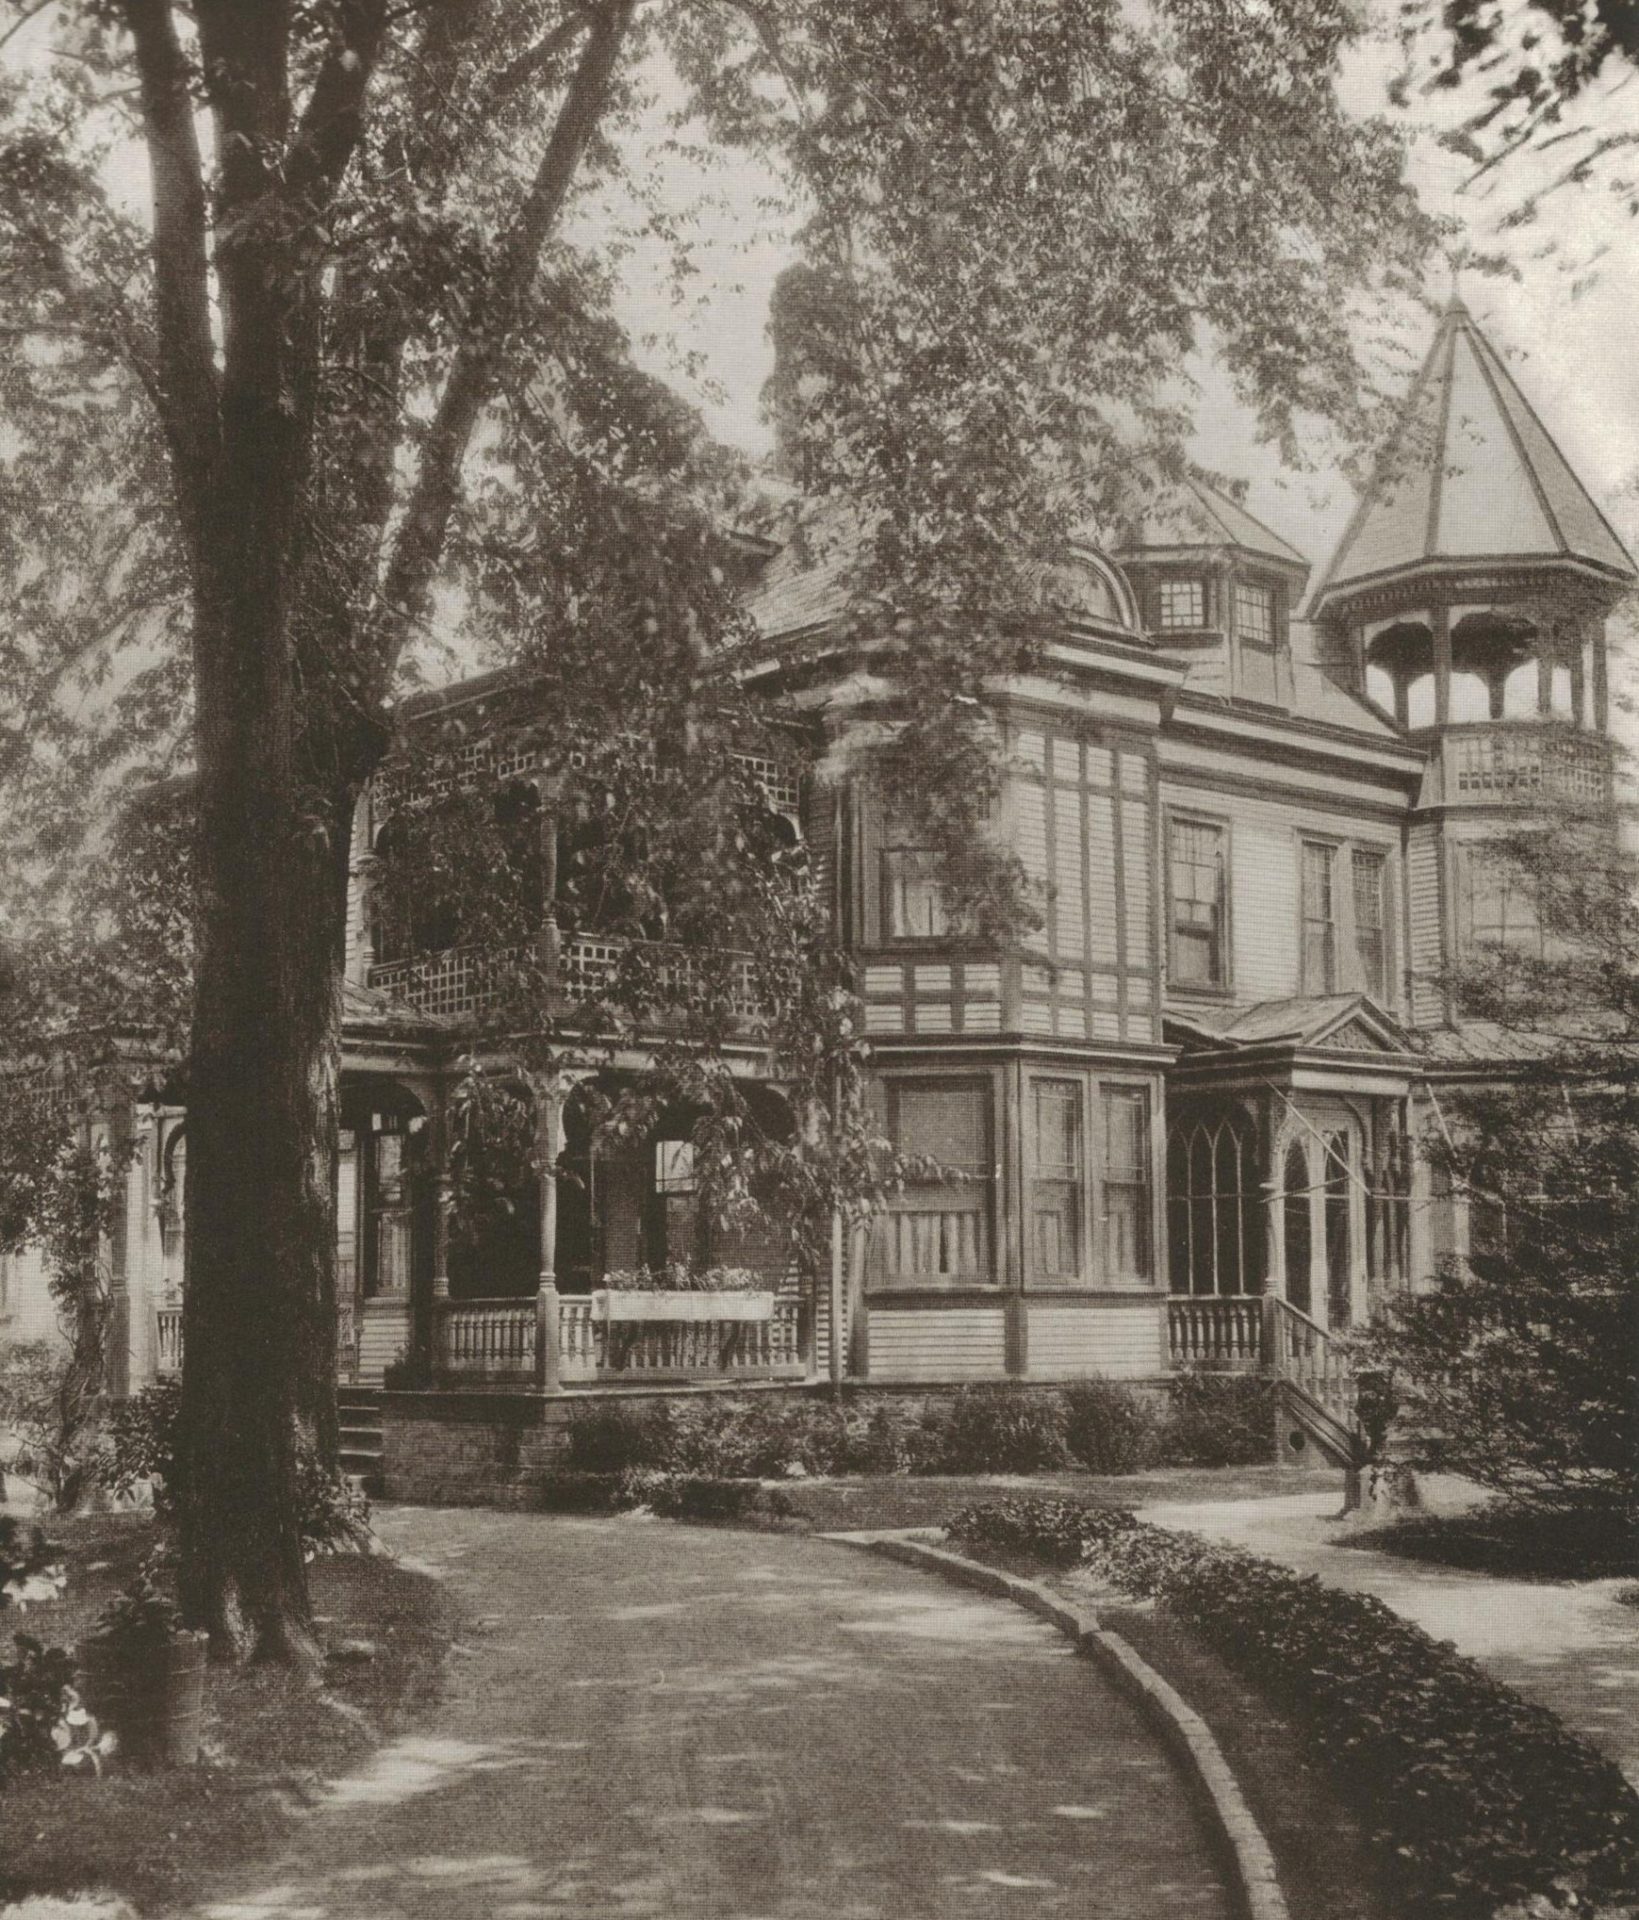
<point>1471,475</point>
<point>1191,513</point>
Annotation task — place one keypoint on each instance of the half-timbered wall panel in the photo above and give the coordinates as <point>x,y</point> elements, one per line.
<point>1082,818</point>
<point>946,1343</point>
<point>1117,1342</point>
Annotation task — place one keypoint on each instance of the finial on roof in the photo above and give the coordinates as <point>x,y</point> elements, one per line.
<point>1455,304</point>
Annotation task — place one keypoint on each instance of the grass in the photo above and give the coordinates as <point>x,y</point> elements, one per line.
<point>1511,1543</point>
<point>153,1837</point>
<point>865,1502</point>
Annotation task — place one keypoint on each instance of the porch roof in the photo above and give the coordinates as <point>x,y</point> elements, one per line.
<point>1344,1022</point>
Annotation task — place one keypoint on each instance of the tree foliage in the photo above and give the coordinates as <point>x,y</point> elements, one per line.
<point>356,364</point>
<point>1520,1369</point>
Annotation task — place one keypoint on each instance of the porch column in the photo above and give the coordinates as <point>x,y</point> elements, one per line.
<point>1442,665</point>
<point>428,1313</point>
<point>549,1145</point>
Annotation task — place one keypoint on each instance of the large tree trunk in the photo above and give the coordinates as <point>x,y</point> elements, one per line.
<point>262,1095</point>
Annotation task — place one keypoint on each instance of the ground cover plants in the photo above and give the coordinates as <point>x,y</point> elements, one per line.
<point>1476,1798</point>
<point>1513,1542</point>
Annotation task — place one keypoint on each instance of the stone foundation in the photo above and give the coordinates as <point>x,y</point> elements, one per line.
<point>494,1447</point>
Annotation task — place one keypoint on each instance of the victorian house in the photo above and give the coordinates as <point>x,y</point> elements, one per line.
<point>1181,1121</point>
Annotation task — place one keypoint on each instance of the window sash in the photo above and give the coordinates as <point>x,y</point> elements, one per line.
<point>1255,613</point>
<point>1057,1196</point>
<point>913,899</point>
<point>1319,922</point>
<point>1182,605</point>
<point>1127,1251</point>
<point>937,1232</point>
<point>1195,879</point>
<point>1370,875</point>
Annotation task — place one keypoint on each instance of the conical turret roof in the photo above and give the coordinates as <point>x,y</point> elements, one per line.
<point>1471,475</point>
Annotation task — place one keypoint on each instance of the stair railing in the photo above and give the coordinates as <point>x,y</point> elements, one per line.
<point>1300,1351</point>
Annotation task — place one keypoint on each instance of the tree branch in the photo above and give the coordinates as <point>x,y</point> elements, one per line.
<point>328,132</point>
<point>420,541</point>
<point>187,387</point>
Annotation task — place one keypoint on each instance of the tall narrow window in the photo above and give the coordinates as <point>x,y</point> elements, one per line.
<point>1215,1206</point>
<point>1126,1238</point>
<point>1298,1234</point>
<point>1371,938</point>
<point>1056,1201</point>
<point>913,906</point>
<point>1339,1234</point>
<point>936,1231</point>
<point>1319,925</point>
<point>675,1226</point>
<point>1195,878</point>
<point>1255,639</point>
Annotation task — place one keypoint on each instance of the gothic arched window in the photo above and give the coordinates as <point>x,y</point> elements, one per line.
<point>1215,1206</point>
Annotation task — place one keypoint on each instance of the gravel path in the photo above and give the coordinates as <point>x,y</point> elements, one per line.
<point>651,1720</point>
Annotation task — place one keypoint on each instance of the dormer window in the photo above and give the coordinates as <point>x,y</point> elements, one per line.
<point>1254,613</point>
<point>1182,605</point>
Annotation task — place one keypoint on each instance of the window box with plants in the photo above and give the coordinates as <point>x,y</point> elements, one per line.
<point>682,1293</point>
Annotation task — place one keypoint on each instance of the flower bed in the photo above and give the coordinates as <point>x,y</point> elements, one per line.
<point>675,1496</point>
<point>1478,1798</point>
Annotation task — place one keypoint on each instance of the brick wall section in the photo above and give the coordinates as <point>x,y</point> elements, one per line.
<point>492,1449</point>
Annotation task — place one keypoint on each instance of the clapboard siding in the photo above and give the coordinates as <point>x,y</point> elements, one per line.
<point>1119,1342</point>
<point>384,1336</point>
<point>1427,943</point>
<point>938,1343</point>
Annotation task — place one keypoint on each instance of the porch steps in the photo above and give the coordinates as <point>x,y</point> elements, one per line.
<point>359,1413</point>
<point>1319,1425</point>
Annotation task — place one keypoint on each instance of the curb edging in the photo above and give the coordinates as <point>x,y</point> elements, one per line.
<point>1183,1729</point>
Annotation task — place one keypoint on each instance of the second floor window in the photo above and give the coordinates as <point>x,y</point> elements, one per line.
<point>1182,604</point>
<point>1195,878</point>
<point>1254,613</point>
<point>1371,938</point>
<point>913,898</point>
<point>1319,922</point>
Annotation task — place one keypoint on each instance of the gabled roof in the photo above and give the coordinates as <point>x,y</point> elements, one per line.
<point>1191,513</point>
<point>1331,1022</point>
<point>1470,474</point>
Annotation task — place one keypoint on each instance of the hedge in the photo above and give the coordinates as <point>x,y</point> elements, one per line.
<point>1478,1798</point>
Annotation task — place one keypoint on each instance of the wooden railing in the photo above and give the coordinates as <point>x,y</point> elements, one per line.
<point>1215,1329</point>
<point>167,1341</point>
<point>1304,1354</point>
<point>1514,764</point>
<point>486,1339</point>
<point>466,980</point>
<point>494,1342</point>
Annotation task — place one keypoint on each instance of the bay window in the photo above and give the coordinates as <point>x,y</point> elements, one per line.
<point>1056,1199</point>
<point>937,1229</point>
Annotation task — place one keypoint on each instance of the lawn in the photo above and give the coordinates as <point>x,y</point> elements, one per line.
<point>1513,1543</point>
<point>268,1737</point>
<point>850,1503</point>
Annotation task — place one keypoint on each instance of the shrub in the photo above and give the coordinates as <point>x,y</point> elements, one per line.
<point>1477,1797</point>
<point>42,1723</point>
<point>141,1447</point>
<point>1004,1429</point>
<point>1219,1419</point>
<point>1111,1428</point>
<point>679,1496</point>
<point>609,1435</point>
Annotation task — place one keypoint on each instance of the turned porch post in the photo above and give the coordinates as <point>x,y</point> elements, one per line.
<point>549,1145</point>
<point>427,1311</point>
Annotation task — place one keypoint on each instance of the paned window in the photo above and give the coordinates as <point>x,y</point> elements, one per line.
<point>1127,1252</point>
<point>1195,877</point>
<point>1371,937</point>
<point>1056,1200</point>
<point>1215,1206</point>
<point>1501,913</point>
<point>937,1231</point>
<point>1182,604</point>
<point>1339,1233</point>
<point>1299,1230</point>
<point>1254,613</point>
<point>913,899</point>
<point>1319,918</point>
<point>675,1224</point>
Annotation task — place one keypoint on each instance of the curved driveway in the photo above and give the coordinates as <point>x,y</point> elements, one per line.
<point>652,1720</point>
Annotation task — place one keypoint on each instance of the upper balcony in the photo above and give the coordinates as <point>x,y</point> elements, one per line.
<point>464,983</point>
<point>1501,763</point>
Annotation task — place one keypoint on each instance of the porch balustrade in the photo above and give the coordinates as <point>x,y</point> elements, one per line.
<point>1511,765</point>
<point>167,1341</point>
<point>1302,1352</point>
<point>1215,1329</point>
<point>466,980</point>
<point>492,1342</point>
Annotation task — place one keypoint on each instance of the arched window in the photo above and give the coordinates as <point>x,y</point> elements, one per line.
<point>1295,1219</point>
<point>173,1187</point>
<point>1215,1206</point>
